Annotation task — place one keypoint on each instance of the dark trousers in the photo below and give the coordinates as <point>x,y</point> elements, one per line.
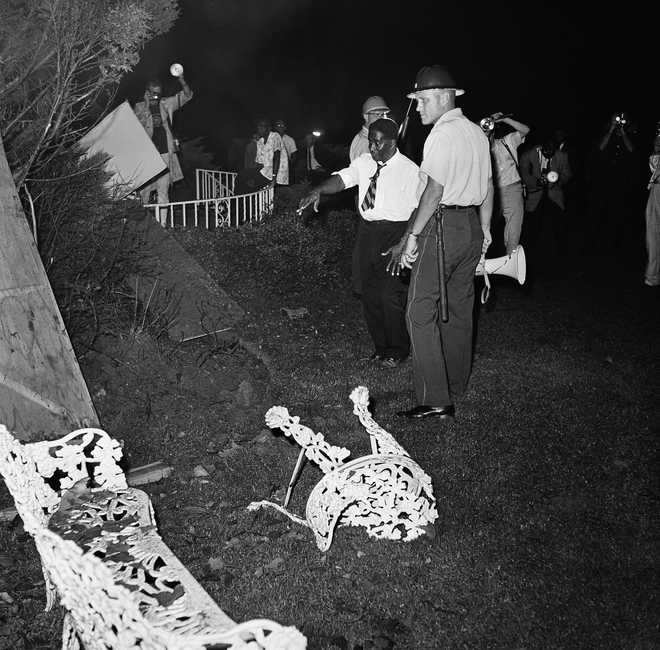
<point>249,180</point>
<point>383,295</point>
<point>545,238</point>
<point>356,280</point>
<point>442,352</point>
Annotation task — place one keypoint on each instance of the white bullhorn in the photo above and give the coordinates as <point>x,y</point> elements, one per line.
<point>513,265</point>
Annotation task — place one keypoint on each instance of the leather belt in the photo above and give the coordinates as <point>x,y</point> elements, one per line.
<point>457,207</point>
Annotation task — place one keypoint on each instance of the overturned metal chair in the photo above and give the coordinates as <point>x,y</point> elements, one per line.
<point>386,492</point>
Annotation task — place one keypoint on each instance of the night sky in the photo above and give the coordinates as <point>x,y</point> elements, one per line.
<point>313,63</point>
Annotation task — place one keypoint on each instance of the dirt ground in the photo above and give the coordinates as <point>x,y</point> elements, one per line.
<point>546,482</point>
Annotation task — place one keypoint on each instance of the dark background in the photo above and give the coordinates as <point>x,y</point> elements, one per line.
<point>552,64</point>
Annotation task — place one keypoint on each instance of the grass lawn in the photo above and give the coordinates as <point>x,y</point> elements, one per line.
<point>546,482</point>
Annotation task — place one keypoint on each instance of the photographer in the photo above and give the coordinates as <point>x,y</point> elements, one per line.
<point>618,128</point>
<point>614,182</point>
<point>155,114</point>
<point>504,154</point>
<point>545,170</point>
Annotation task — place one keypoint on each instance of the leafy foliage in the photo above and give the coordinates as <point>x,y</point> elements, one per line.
<point>87,246</point>
<point>61,62</point>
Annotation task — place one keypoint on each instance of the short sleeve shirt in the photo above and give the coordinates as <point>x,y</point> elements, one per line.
<point>398,187</point>
<point>359,144</point>
<point>457,156</point>
<point>505,163</point>
<point>289,144</point>
<point>265,153</point>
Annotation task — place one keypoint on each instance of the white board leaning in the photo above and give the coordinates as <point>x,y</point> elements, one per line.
<point>133,158</point>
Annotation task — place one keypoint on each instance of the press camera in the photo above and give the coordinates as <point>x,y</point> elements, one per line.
<point>547,178</point>
<point>621,120</point>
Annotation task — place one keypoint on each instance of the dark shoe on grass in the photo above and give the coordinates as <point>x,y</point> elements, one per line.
<point>373,358</point>
<point>426,411</point>
<point>392,362</point>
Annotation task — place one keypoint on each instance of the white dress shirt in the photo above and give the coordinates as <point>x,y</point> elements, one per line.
<point>398,187</point>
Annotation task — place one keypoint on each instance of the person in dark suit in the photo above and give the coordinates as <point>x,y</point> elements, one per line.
<point>545,171</point>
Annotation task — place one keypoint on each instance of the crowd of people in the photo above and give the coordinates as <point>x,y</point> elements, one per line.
<point>424,229</point>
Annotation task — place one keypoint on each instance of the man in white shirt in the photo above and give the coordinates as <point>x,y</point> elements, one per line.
<point>374,108</point>
<point>389,187</point>
<point>443,243</point>
<point>270,165</point>
<point>290,148</point>
<point>504,150</point>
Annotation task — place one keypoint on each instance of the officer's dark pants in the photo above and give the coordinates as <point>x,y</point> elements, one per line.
<point>442,352</point>
<point>383,295</point>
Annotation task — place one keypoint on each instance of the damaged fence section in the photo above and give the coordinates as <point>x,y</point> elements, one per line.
<point>215,205</point>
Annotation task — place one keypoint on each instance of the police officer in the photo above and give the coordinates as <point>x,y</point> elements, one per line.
<point>456,207</point>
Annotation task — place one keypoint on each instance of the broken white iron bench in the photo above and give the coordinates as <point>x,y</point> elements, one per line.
<point>386,492</point>
<point>101,553</point>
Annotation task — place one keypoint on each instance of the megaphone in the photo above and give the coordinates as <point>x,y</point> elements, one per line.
<point>514,265</point>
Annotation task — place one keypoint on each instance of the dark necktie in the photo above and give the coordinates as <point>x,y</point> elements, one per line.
<point>370,197</point>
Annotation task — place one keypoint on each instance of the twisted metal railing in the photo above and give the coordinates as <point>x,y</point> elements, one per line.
<point>215,205</point>
<point>214,184</point>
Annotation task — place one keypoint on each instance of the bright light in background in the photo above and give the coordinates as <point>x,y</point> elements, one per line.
<point>316,134</point>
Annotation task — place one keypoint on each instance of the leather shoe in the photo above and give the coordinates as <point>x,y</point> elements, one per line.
<point>425,411</point>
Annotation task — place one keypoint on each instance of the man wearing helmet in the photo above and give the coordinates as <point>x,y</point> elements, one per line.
<point>445,238</point>
<point>374,108</point>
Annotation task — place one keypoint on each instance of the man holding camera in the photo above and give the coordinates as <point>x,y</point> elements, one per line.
<point>155,114</point>
<point>613,175</point>
<point>506,176</point>
<point>545,170</point>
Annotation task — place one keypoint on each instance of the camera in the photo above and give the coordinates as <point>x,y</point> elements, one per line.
<point>547,178</point>
<point>487,124</point>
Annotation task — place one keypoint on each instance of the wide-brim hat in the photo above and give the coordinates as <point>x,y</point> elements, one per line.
<point>434,76</point>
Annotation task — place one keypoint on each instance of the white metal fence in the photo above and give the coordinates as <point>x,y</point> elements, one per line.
<point>214,184</point>
<point>215,205</point>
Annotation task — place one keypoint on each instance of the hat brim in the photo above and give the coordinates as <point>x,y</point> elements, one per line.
<point>416,93</point>
<point>378,109</point>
